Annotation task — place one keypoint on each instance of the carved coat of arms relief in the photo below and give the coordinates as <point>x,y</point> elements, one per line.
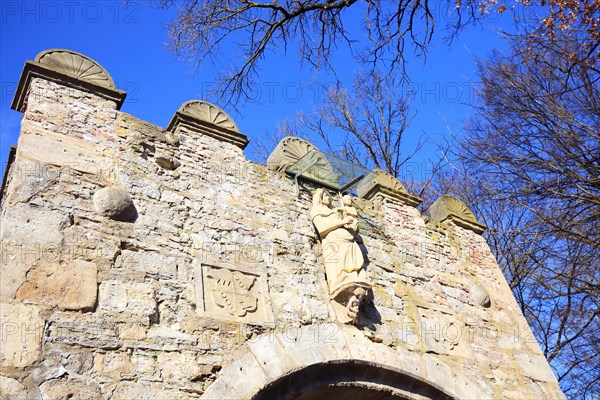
<point>232,291</point>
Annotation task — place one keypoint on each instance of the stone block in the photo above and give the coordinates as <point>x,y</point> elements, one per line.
<point>22,326</point>
<point>165,334</point>
<point>30,179</point>
<point>131,298</point>
<point>181,367</point>
<point>26,224</point>
<point>141,299</point>
<point>134,331</point>
<point>70,388</point>
<point>145,365</point>
<point>149,263</point>
<point>78,363</point>
<point>535,367</point>
<point>140,391</point>
<point>11,389</point>
<point>84,330</point>
<point>70,287</point>
<point>113,365</point>
<point>28,236</point>
<point>112,296</point>
<point>272,358</point>
<point>71,153</point>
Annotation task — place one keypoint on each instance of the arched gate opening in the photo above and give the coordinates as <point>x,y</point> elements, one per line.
<point>348,380</point>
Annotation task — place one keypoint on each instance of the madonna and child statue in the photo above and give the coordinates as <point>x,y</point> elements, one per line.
<point>343,257</point>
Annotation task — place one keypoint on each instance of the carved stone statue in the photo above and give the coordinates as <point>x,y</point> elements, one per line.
<point>343,257</point>
<point>348,211</point>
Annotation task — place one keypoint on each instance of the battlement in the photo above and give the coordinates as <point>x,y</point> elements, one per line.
<point>149,262</point>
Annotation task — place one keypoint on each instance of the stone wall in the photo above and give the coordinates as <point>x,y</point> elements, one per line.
<point>214,287</point>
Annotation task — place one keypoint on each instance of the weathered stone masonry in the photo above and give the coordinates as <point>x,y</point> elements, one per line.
<point>148,263</point>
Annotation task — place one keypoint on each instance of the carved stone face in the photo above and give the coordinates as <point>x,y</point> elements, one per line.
<point>326,199</point>
<point>347,200</point>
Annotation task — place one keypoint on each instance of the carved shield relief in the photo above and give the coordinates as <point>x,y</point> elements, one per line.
<point>233,294</point>
<point>232,291</point>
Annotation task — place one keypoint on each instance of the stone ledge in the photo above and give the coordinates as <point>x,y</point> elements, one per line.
<point>402,197</point>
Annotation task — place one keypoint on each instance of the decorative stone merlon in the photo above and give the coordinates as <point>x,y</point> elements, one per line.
<point>388,186</point>
<point>68,68</point>
<point>289,150</point>
<point>450,208</point>
<point>208,119</point>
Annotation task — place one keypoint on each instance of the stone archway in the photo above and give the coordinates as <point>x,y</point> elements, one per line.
<point>338,362</point>
<point>349,380</point>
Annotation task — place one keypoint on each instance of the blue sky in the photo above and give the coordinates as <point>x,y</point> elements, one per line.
<point>129,40</point>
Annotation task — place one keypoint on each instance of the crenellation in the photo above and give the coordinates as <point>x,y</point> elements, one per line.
<point>217,286</point>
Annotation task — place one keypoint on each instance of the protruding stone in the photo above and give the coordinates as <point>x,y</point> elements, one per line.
<point>68,68</point>
<point>166,161</point>
<point>71,287</point>
<point>289,150</point>
<point>114,203</point>
<point>450,208</point>
<point>22,328</point>
<point>207,119</point>
<point>480,295</point>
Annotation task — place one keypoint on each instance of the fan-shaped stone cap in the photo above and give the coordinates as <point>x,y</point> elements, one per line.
<point>289,150</point>
<point>208,119</point>
<point>388,180</point>
<point>205,111</point>
<point>388,186</point>
<point>68,68</point>
<point>77,65</point>
<point>449,207</point>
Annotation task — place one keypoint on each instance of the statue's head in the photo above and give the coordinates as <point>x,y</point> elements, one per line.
<point>360,293</point>
<point>347,200</point>
<point>326,199</point>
